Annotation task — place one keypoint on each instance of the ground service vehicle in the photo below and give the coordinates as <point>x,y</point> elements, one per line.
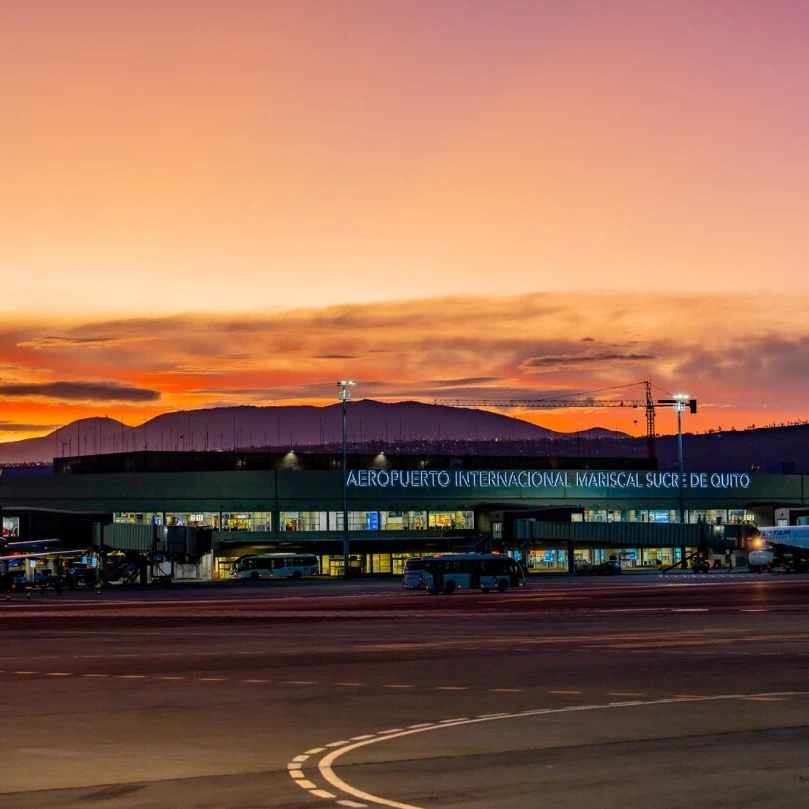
<point>448,572</point>
<point>276,565</point>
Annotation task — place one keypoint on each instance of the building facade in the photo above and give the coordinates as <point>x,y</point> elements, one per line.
<point>202,511</point>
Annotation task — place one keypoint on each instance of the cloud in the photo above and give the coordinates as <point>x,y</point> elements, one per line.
<point>584,359</point>
<point>534,346</point>
<point>80,391</point>
<point>55,341</point>
<point>462,381</point>
<point>20,427</point>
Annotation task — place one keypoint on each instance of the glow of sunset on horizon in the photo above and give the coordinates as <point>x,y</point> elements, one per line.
<point>217,203</point>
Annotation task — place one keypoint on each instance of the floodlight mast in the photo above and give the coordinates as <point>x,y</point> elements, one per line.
<point>680,401</point>
<point>344,395</point>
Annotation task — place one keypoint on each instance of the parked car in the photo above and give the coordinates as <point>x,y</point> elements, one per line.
<point>608,568</point>
<point>584,568</point>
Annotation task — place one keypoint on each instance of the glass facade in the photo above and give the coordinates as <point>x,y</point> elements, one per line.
<point>555,559</point>
<point>712,516</point>
<point>332,565</point>
<point>318,521</point>
<point>439,522</point>
<point>467,524</point>
<point>218,521</point>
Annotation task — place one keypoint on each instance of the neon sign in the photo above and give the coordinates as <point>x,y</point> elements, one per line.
<point>542,479</point>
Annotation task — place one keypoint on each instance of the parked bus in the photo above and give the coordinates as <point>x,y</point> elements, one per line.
<point>276,565</point>
<point>449,572</point>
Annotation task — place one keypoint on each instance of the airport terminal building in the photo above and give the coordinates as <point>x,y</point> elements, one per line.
<point>200,511</point>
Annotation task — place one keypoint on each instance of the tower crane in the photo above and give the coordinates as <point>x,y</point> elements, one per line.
<point>549,403</point>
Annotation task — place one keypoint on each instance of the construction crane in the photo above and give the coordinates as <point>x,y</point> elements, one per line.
<point>648,403</point>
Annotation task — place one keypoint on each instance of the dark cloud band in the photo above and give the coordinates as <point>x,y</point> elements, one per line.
<point>81,391</point>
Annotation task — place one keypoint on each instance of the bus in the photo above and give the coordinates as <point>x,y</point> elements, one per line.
<point>448,572</point>
<point>275,565</point>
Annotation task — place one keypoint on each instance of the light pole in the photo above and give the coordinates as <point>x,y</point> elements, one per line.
<point>344,395</point>
<point>680,401</point>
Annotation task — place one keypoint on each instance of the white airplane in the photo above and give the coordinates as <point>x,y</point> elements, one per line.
<point>786,545</point>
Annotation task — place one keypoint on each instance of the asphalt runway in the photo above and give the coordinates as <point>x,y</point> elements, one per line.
<point>633,691</point>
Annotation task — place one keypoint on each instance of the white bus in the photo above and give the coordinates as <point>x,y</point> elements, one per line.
<point>277,565</point>
<point>448,572</point>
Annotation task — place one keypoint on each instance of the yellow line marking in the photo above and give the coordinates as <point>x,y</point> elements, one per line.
<point>564,692</point>
<point>452,688</point>
<point>58,674</point>
<point>397,685</point>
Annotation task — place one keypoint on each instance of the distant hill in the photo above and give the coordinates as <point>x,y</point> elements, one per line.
<point>289,427</point>
<point>772,449</point>
<point>409,427</point>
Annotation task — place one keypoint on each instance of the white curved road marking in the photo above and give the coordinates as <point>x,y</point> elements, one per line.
<point>340,748</point>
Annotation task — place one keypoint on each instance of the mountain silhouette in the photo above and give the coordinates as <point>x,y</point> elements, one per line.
<point>296,427</point>
<point>408,427</point>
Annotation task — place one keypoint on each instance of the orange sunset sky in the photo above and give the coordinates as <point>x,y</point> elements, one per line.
<point>229,202</point>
